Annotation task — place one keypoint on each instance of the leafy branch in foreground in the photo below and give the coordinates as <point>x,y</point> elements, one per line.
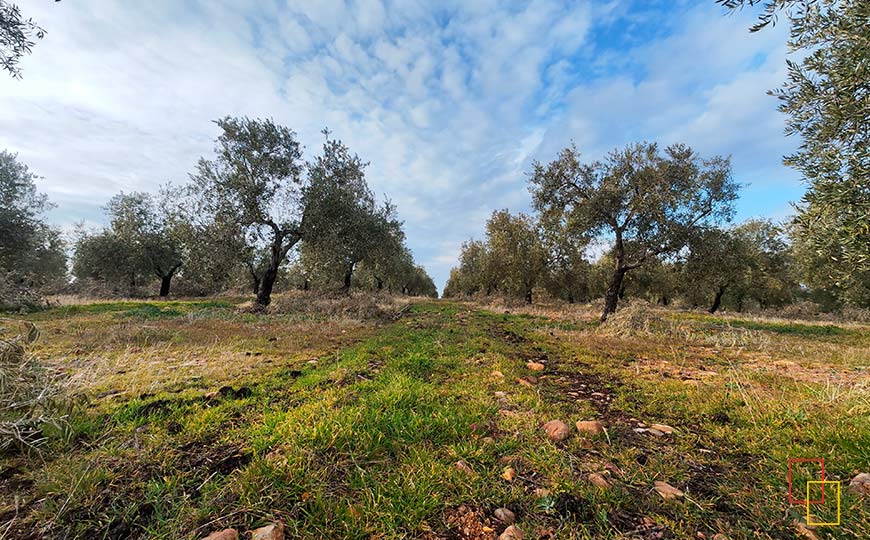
<point>827,99</point>
<point>16,37</point>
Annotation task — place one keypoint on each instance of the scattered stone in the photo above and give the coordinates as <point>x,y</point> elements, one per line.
<point>511,533</point>
<point>226,534</point>
<point>274,531</point>
<point>312,362</point>
<point>500,395</point>
<point>664,428</point>
<point>804,531</point>
<point>860,485</point>
<point>666,490</point>
<point>509,474</point>
<point>557,430</point>
<point>639,430</point>
<point>641,425</point>
<point>655,432</point>
<point>542,492</point>
<point>525,381</point>
<point>590,427</point>
<point>597,395</point>
<point>598,479</point>
<point>535,366</point>
<point>505,516</point>
<point>613,468</point>
<point>464,467</point>
<point>497,374</point>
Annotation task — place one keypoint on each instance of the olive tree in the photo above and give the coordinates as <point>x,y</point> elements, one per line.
<point>140,242</point>
<point>717,260</point>
<point>255,177</point>
<point>31,252</point>
<point>515,249</point>
<point>344,224</point>
<point>474,273</point>
<point>644,199</point>
<point>567,270</point>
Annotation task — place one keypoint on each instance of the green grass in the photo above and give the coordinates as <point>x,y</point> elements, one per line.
<point>363,443</point>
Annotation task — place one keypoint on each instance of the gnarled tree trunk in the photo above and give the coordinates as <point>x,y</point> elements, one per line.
<point>717,301</point>
<point>611,297</point>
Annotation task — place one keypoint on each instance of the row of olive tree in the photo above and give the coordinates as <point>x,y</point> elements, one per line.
<point>750,265</point>
<point>646,201</point>
<point>247,210</point>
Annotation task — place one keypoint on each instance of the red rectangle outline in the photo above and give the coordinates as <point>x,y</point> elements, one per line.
<point>791,498</point>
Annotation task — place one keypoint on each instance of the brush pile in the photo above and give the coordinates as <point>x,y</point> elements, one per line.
<point>31,395</point>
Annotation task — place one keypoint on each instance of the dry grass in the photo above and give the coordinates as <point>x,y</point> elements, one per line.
<point>360,306</point>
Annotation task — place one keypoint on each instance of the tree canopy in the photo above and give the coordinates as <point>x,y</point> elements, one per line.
<point>645,200</point>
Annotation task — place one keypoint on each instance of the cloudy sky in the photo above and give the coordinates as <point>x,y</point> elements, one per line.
<point>450,104</point>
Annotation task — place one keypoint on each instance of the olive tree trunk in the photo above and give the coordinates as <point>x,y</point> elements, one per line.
<point>717,301</point>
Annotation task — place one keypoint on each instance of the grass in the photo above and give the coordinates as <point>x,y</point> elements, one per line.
<point>198,418</point>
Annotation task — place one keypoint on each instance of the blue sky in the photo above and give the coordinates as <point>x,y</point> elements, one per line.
<point>449,104</point>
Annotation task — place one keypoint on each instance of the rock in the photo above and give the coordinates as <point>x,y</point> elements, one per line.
<point>597,395</point>
<point>226,534</point>
<point>557,430</point>
<point>639,430</point>
<point>509,474</point>
<point>464,467</point>
<point>590,427</point>
<point>511,533</point>
<point>497,374</point>
<point>598,479</point>
<point>505,516</point>
<point>860,485</point>
<point>500,395</point>
<point>666,490</point>
<point>804,531</point>
<point>274,531</point>
<point>664,428</point>
<point>655,432</point>
<point>535,366</point>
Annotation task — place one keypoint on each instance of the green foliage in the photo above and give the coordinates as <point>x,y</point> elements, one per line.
<point>344,225</point>
<point>511,260</point>
<point>140,243</point>
<point>255,181</point>
<point>827,99</point>
<point>645,200</point>
<point>32,254</point>
<point>750,263</point>
<point>567,274</point>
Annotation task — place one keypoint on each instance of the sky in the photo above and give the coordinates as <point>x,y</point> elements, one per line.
<point>449,101</point>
